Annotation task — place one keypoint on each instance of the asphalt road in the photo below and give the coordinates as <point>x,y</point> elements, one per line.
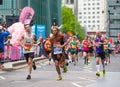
<point>77,76</point>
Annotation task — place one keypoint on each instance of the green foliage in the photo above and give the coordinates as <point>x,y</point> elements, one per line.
<point>70,23</point>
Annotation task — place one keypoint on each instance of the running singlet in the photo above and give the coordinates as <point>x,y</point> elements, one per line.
<point>73,46</point>
<point>106,47</point>
<point>28,43</point>
<point>99,45</point>
<point>85,45</point>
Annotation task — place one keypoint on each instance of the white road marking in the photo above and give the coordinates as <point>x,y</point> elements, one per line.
<point>87,79</point>
<point>38,66</point>
<point>75,84</point>
<point>1,77</point>
<point>87,68</point>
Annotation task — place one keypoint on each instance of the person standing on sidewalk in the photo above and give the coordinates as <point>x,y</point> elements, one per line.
<point>58,53</point>
<point>40,42</point>
<point>99,52</point>
<point>2,36</point>
<point>27,43</point>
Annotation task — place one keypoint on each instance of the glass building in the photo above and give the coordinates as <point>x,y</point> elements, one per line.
<point>113,15</point>
<point>45,11</point>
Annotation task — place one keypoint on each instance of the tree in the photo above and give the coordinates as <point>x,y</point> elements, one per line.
<point>70,23</point>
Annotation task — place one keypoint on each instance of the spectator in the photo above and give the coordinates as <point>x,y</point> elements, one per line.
<point>2,36</point>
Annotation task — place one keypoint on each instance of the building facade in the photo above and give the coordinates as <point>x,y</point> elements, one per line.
<point>45,11</point>
<point>73,4</point>
<point>113,16</point>
<point>68,3</point>
<point>92,15</point>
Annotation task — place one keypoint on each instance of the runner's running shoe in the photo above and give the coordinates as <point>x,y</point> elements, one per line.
<point>103,73</point>
<point>28,77</point>
<point>59,78</point>
<point>98,74</point>
<point>34,66</point>
<point>64,69</point>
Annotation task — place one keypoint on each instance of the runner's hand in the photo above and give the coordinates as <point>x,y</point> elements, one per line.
<point>59,46</point>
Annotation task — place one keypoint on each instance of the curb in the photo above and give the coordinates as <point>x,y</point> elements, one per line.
<point>18,64</point>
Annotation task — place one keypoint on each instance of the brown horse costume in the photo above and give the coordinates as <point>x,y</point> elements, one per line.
<point>59,38</point>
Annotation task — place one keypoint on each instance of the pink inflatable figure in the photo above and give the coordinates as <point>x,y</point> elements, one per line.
<point>17,29</point>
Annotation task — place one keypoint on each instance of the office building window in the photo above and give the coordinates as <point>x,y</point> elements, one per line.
<point>80,13</point>
<point>93,3</point>
<point>98,3</point>
<point>89,25</point>
<point>98,21</point>
<point>93,12</point>
<point>93,8</point>
<point>89,12</point>
<point>84,4</point>
<point>93,17</point>
<point>84,12</point>
<point>98,12</point>
<point>80,21</point>
<point>93,25</point>
<point>98,26</point>
<point>94,21</point>
<point>72,1</point>
<point>89,17</point>
<point>89,21</point>
<point>67,1</point>
<point>80,17</point>
<point>98,8</point>
<point>89,8</point>
<point>89,4</point>
<point>98,16</point>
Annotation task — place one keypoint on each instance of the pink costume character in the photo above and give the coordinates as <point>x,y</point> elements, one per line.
<point>17,30</point>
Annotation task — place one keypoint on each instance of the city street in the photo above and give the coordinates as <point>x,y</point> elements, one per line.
<point>77,76</point>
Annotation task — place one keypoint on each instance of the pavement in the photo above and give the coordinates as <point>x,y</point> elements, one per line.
<point>79,75</point>
<point>18,64</point>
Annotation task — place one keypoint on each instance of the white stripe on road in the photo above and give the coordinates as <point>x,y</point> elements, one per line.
<point>87,79</point>
<point>75,84</point>
<point>38,66</point>
<point>1,77</point>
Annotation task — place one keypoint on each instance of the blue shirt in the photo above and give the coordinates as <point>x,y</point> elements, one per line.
<point>2,36</point>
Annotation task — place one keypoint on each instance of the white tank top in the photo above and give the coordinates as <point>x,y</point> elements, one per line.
<point>28,43</point>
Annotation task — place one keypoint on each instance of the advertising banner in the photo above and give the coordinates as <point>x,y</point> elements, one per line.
<point>38,29</point>
<point>41,29</point>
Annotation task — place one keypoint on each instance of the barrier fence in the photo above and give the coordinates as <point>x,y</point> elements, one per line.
<point>13,53</point>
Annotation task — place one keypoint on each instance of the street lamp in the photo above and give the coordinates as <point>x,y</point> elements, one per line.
<point>109,22</point>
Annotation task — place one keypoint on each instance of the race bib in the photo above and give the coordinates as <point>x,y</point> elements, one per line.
<point>29,46</point>
<point>85,46</point>
<point>105,47</point>
<point>74,46</point>
<point>98,45</point>
<point>57,50</point>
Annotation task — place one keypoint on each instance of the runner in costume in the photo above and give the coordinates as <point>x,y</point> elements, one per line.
<point>58,53</point>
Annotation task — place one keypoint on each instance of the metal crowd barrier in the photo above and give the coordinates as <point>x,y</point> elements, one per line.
<point>12,53</point>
